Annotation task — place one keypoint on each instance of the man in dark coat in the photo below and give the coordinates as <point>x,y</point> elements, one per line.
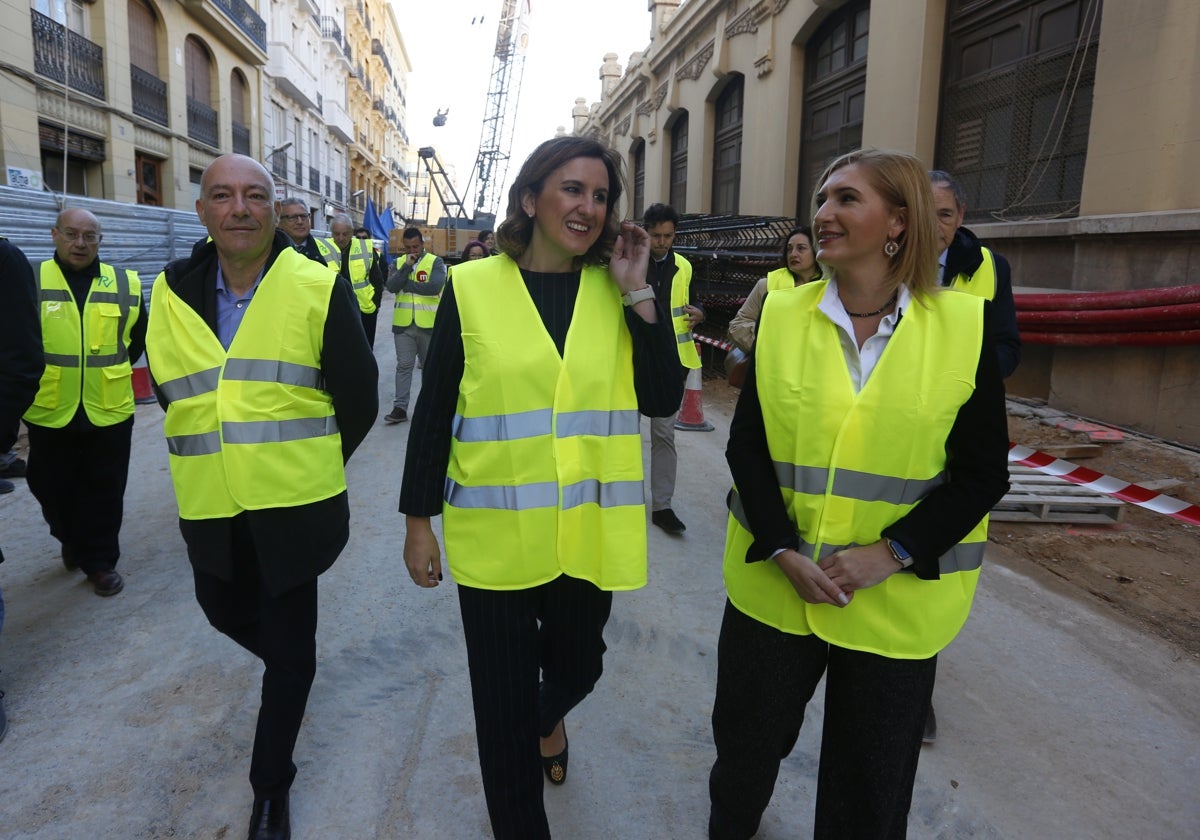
<point>256,570</point>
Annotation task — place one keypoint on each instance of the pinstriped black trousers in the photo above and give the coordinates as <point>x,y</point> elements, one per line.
<point>875,710</point>
<point>533,655</point>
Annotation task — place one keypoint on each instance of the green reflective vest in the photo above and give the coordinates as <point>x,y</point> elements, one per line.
<point>851,464</point>
<point>545,473</point>
<point>983,282</point>
<point>86,359</point>
<point>684,340</point>
<point>253,427</point>
<point>413,308</point>
<point>358,270</point>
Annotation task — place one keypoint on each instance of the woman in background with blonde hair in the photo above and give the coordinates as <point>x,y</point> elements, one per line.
<point>867,447</point>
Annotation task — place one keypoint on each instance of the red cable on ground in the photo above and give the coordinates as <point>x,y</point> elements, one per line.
<point>1101,483</point>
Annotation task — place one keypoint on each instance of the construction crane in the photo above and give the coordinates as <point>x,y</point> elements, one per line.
<point>504,92</point>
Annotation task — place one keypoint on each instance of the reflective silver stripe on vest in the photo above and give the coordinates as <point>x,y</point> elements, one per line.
<point>278,431</point>
<point>606,494</point>
<point>106,297</point>
<point>498,427</point>
<point>61,359</point>
<point>683,338</point>
<point>542,494</point>
<point>55,294</point>
<point>811,480</point>
<point>192,385</point>
<point>677,312</point>
<point>94,360</point>
<point>425,307</point>
<point>273,370</point>
<point>598,423</point>
<point>852,484</point>
<point>208,443</point>
<point>964,557</point>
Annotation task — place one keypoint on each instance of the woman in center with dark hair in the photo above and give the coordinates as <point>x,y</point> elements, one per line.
<point>526,438</point>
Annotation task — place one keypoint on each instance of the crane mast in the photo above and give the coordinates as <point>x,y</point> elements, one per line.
<point>504,91</point>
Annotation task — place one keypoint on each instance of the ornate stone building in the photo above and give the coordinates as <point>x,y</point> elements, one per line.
<point>1071,123</point>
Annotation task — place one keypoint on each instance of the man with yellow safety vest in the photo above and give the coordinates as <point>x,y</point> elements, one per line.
<point>670,276</point>
<point>967,266</point>
<point>353,258</point>
<point>378,276</point>
<point>81,421</point>
<point>417,282</point>
<point>269,386</point>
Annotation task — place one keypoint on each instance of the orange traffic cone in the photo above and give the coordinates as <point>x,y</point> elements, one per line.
<point>691,413</point>
<point>143,393</point>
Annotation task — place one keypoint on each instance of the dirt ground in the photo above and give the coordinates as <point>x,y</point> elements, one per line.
<point>1145,568</point>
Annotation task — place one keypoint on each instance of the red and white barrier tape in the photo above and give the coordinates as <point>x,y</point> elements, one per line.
<point>724,345</point>
<point>1101,483</point>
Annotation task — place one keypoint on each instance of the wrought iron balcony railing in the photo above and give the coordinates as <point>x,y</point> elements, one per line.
<point>149,95</point>
<point>241,138</point>
<point>55,49</point>
<point>202,122</point>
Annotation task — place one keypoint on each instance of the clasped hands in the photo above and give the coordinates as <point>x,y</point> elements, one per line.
<point>834,580</point>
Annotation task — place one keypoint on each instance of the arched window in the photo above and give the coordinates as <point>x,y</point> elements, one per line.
<point>835,82</point>
<point>677,196</point>
<point>202,117</point>
<point>727,147</point>
<point>637,165</point>
<point>1017,100</point>
<point>149,90</point>
<point>239,107</point>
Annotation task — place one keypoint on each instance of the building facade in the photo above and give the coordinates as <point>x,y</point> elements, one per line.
<point>1069,122</point>
<point>129,100</point>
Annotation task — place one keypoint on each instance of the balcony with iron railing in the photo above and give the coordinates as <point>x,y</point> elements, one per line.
<point>235,23</point>
<point>314,179</point>
<point>55,49</point>
<point>338,191</point>
<point>299,171</point>
<point>202,122</point>
<point>331,30</point>
<point>149,95</point>
<point>241,138</point>
<point>279,166</point>
<point>378,50</point>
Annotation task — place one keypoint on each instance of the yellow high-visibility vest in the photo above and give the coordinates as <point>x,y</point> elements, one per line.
<point>983,282</point>
<point>779,279</point>
<point>253,427</point>
<point>545,473</point>
<point>358,271</point>
<point>684,340</point>
<point>850,464</point>
<point>413,308</point>
<point>86,361</point>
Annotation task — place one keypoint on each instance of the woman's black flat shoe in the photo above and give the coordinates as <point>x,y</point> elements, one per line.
<point>555,766</point>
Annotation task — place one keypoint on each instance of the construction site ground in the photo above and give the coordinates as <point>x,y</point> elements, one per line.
<point>1069,705</point>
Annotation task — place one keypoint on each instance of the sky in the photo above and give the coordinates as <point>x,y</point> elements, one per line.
<point>451,60</point>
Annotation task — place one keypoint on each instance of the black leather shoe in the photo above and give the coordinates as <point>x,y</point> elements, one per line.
<point>270,820</point>
<point>106,582</point>
<point>668,521</point>
<point>555,766</point>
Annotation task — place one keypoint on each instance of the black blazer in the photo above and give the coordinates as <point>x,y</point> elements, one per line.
<point>293,545</point>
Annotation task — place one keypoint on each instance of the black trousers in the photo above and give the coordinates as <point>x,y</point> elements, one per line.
<point>78,474</point>
<point>282,632</point>
<point>875,711</point>
<point>533,654</point>
<point>368,322</point>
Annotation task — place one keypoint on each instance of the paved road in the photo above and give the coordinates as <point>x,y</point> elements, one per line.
<point>131,718</point>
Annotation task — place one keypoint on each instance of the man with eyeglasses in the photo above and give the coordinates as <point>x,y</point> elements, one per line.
<point>295,221</point>
<point>80,425</point>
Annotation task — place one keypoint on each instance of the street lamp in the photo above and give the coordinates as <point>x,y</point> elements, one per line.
<point>278,150</point>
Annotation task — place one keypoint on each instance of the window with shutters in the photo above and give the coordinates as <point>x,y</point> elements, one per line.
<point>201,116</point>
<point>637,165</point>
<point>727,147</point>
<point>835,83</point>
<point>1016,104</point>
<point>679,155</point>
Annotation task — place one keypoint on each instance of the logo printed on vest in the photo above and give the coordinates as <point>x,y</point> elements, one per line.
<point>422,276</point>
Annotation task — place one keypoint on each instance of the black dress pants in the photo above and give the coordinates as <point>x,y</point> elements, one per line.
<point>555,629</point>
<point>875,711</point>
<point>78,474</point>
<point>280,630</point>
